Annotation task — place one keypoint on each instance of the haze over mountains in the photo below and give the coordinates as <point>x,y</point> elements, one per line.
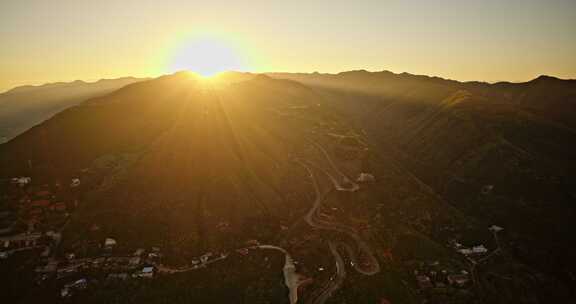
<point>197,166</point>
<point>25,106</point>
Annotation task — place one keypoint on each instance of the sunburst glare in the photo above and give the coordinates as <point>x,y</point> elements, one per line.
<point>207,56</point>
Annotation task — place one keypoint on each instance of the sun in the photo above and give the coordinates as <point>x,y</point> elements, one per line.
<point>206,56</point>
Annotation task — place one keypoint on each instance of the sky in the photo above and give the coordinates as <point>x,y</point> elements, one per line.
<point>488,40</point>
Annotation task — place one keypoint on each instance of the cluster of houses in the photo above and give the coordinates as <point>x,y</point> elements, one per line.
<point>28,211</point>
<point>11,244</point>
<point>434,275</point>
<point>476,251</point>
<point>24,206</point>
<point>77,273</point>
<point>471,251</point>
<point>21,181</point>
<point>44,207</point>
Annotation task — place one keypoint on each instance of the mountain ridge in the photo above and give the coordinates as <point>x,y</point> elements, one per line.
<point>395,170</point>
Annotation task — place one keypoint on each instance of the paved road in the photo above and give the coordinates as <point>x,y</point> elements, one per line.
<point>291,279</point>
<point>336,281</point>
<point>349,185</point>
<point>170,270</point>
<point>312,219</point>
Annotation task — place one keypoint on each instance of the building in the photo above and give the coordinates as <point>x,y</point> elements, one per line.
<point>146,272</point>
<point>109,243</point>
<point>21,240</point>
<point>21,181</point>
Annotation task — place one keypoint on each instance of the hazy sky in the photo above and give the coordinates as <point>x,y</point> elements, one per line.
<point>43,41</point>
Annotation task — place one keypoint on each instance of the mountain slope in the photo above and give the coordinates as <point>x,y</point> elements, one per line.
<point>360,182</point>
<point>499,152</point>
<point>217,153</point>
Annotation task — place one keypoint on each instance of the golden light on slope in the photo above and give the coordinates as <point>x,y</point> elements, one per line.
<point>207,55</point>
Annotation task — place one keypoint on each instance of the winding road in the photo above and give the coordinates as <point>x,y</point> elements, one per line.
<point>370,265</point>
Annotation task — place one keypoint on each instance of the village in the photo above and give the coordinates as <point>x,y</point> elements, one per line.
<point>33,218</point>
<point>33,221</point>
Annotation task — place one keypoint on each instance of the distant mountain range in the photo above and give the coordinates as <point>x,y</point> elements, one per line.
<point>25,106</point>
<point>195,166</point>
